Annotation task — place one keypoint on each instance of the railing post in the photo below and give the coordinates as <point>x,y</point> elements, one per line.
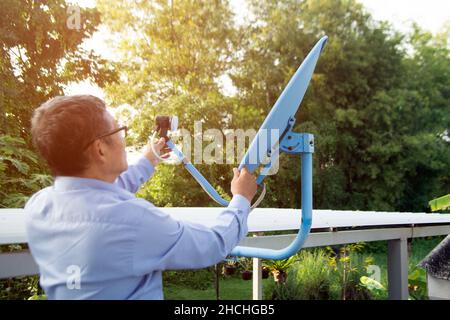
<point>16,264</point>
<point>398,269</point>
<point>257,279</point>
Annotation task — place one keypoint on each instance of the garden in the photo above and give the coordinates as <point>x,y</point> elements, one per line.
<point>330,273</point>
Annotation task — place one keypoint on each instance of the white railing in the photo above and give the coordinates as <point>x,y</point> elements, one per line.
<point>329,228</point>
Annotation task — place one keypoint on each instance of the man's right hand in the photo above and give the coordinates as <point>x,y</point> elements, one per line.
<point>243,183</point>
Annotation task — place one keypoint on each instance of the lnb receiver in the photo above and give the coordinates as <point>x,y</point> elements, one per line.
<point>164,124</point>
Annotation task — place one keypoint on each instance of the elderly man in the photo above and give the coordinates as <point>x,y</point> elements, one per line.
<point>89,234</point>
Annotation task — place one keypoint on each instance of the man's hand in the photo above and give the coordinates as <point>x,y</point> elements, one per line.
<point>243,183</point>
<point>157,152</point>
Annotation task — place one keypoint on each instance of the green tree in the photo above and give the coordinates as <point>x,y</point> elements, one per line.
<point>377,97</point>
<point>39,54</point>
<point>360,59</point>
<point>370,121</point>
<point>426,140</point>
<point>172,55</point>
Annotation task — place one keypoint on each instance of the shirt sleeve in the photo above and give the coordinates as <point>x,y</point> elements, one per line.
<point>132,179</point>
<point>165,243</point>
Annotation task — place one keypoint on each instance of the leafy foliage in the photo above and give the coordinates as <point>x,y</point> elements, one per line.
<point>39,54</point>
<point>376,110</point>
<point>281,265</point>
<point>17,181</point>
<point>318,276</point>
<point>417,284</point>
<point>20,288</point>
<point>377,290</point>
<point>441,203</point>
<point>377,104</point>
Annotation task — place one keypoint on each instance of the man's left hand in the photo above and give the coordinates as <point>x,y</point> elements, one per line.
<point>158,152</point>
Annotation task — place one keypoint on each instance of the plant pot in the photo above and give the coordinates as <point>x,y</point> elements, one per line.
<point>279,276</point>
<point>246,275</point>
<point>229,270</point>
<point>265,272</point>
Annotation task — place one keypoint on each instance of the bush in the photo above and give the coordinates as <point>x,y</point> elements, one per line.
<point>308,279</point>
<point>349,270</point>
<point>375,247</point>
<point>417,284</point>
<point>20,288</point>
<point>314,277</point>
<point>377,290</point>
<point>319,276</point>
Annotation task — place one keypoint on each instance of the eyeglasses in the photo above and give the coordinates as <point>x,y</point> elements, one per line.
<point>124,128</point>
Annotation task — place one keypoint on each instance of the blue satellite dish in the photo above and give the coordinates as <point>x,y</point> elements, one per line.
<point>275,135</point>
<point>277,121</point>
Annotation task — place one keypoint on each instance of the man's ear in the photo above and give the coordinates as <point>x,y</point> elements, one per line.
<point>98,150</point>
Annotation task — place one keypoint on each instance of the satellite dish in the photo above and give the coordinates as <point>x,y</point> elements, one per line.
<point>275,135</point>
<point>276,123</point>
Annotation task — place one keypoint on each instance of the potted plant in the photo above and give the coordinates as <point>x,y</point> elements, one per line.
<point>247,275</point>
<point>265,272</point>
<point>229,268</point>
<point>247,265</point>
<point>279,268</point>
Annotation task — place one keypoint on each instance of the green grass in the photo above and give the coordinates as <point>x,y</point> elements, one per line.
<point>232,288</point>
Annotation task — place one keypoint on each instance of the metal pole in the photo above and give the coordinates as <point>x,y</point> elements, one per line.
<point>217,273</point>
<point>398,269</point>
<point>307,192</point>
<point>257,279</point>
<point>306,220</point>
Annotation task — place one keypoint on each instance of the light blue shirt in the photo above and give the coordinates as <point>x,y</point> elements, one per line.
<point>96,240</point>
